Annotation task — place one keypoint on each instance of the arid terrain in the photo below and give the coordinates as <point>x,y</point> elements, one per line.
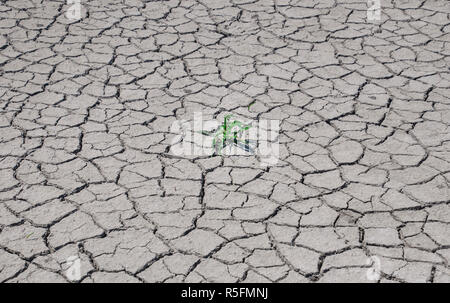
<point>359,191</point>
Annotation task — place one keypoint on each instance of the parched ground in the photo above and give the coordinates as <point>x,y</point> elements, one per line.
<point>364,170</point>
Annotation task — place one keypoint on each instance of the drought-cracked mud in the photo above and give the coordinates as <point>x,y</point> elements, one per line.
<point>86,108</point>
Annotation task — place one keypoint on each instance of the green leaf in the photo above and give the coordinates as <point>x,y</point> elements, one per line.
<point>245,127</point>
<point>235,123</point>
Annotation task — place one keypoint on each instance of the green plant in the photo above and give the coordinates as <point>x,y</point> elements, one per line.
<point>228,133</point>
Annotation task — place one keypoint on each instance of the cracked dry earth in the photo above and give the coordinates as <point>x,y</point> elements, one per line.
<point>364,167</point>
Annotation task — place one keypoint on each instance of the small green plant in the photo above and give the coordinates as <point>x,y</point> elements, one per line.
<point>228,133</point>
